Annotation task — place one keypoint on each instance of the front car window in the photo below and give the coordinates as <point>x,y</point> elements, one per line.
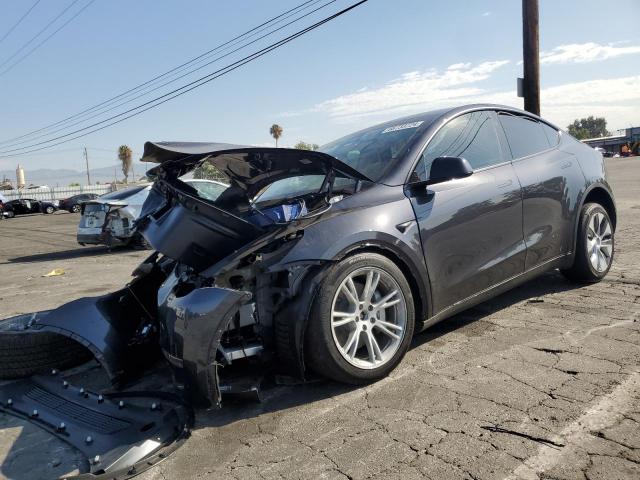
<point>525,135</point>
<point>471,136</point>
<point>374,151</point>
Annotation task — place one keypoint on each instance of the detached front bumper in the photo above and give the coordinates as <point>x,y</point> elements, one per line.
<point>192,322</point>
<point>128,329</point>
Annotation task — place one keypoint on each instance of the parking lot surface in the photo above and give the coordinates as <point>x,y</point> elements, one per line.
<point>541,382</point>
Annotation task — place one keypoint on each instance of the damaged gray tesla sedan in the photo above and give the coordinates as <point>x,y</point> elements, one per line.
<point>328,261</point>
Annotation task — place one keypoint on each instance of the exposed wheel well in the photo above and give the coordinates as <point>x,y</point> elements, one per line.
<point>418,296</point>
<point>602,197</point>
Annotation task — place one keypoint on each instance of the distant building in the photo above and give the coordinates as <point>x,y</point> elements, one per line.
<point>20,177</point>
<point>615,143</point>
<point>6,184</point>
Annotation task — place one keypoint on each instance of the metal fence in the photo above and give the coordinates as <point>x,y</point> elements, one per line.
<point>55,193</point>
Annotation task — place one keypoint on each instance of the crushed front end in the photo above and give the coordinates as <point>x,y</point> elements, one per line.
<point>110,219</point>
<point>224,311</point>
<point>216,300</point>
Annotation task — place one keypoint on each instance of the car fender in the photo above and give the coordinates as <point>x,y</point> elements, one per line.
<point>320,247</point>
<point>604,187</point>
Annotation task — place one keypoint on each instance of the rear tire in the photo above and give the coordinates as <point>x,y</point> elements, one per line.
<point>352,336</point>
<point>595,246</point>
<point>24,352</point>
<point>49,210</point>
<point>75,209</point>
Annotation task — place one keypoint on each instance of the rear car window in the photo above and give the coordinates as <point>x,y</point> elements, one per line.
<point>525,135</point>
<point>552,134</point>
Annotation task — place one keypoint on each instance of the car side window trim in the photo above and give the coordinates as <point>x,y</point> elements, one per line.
<point>535,154</point>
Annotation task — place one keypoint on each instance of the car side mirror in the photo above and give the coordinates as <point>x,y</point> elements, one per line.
<point>444,169</point>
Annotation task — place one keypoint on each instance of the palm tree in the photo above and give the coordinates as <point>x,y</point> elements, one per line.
<point>124,155</point>
<point>276,132</point>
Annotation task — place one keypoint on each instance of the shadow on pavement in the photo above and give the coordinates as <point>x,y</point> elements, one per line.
<point>550,282</point>
<point>283,397</point>
<point>62,255</point>
<point>275,398</point>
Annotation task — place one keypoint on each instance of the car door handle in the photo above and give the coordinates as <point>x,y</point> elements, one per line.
<point>566,164</point>
<point>506,184</point>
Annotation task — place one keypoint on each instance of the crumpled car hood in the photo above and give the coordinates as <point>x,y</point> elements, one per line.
<point>250,168</point>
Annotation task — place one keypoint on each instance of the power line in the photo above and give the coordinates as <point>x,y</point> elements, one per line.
<point>19,21</point>
<point>38,34</point>
<point>299,7</point>
<point>89,117</point>
<point>104,110</point>
<point>185,88</point>
<point>46,39</point>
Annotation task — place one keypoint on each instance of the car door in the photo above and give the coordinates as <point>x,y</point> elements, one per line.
<point>32,206</point>
<point>547,176</point>
<point>23,207</point>
<point>471,228</point>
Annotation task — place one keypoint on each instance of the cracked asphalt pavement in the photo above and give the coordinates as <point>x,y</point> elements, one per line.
<point>540,382</point>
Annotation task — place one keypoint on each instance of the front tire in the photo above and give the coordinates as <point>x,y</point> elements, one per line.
<point>49,210</point>
<point>24,352</point>
<point>594,246</point>
<point>362,320</point>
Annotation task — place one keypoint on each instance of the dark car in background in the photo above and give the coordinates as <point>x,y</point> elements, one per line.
<point>25,206</point>
<point>74,204</point>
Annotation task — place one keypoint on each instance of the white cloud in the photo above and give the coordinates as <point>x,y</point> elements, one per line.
<point>617,99</point>
<point>413,90</point>
<point>586,52</point>
<point>486,14</point>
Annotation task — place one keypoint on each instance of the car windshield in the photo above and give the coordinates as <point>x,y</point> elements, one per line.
<point>290,188</point>
<point>208,189</point>
<point>374,151</point>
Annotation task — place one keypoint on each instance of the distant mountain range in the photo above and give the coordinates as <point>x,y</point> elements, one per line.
<point>63,177</point>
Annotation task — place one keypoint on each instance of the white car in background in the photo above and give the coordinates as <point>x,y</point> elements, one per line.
<point>110,219</point>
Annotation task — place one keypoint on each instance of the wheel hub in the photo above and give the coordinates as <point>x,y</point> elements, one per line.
<point>369,317</point>
<point>599,242</point>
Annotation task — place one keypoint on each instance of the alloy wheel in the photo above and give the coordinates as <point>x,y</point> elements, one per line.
<point>599,242</point>
<point>368,318</point>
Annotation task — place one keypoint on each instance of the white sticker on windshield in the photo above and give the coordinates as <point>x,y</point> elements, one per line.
<point>402,127</point>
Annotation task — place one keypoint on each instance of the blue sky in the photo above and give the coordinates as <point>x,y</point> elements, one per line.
<point>383,60</point>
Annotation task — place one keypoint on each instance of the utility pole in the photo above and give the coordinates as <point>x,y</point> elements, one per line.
<point>86,159</point>
<point>530,56</point>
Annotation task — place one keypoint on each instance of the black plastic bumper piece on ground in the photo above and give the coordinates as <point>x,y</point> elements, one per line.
<point>191,326</point>
<point>120,435</point>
